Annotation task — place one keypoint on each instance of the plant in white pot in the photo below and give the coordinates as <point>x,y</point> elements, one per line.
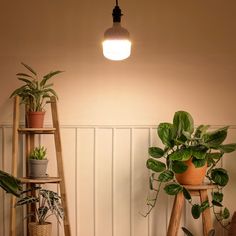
<point>35,93</point>
<point>188,157</point>
<point>38,162</point>
<point>46,203</point>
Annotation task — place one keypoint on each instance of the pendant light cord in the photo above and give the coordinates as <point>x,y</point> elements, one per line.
<point>117,13</point>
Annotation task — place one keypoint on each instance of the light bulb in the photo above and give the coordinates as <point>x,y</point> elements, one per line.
<point>116,44</point>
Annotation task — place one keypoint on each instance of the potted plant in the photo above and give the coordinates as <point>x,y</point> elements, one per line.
<point>35,93</point>
<point>46,203</point>
<point>188,148</point>
<point>38,162</point>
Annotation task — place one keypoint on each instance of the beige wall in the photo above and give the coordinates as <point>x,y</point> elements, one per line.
<point>183,57</point>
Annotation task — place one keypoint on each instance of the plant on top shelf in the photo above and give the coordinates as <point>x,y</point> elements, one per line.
<point>187,148</point>
<point>36,92</point>
<point>46,204</point>
<point>38,162</point>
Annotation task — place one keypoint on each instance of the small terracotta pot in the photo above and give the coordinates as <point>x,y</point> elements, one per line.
<point>35,119</point>
<point>193,175</point>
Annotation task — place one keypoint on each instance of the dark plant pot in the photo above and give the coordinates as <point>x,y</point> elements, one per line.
<point>37,168</point>
<point>193,175</point>
<point>35,119</point>
<point>36,229</point>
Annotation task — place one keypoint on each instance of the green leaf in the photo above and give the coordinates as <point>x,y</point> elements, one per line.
<point>214,155</point>
<point>10,184</point>
<point>227,148</point>
<point>155,152</point>
<point>187,195</point>
<point>23,74</point>
<point>196,211</point>
<point>48,76</point>
<point>187,232</point>
<point>220,176</point>
<point>179,167</point>
<point>183,121</point>
<point>217,196</point>
<point>173,188</point>
<point>198,162</point>
<point>199,151</point>
<point>165,133</point>
<point>205,205</point>
<point>211,232</point>
<point>215,138</point>
<point>201,130</point>
<point>151,180</point>
<point>180,155</point>
<point>166,176</point>
<point>27,200</point>
<point>29,68</point>
<point>155,165</point>
<point>215,203</point>
<point>225,214</point>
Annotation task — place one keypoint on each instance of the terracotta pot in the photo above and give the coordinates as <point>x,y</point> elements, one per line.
<point>36,229</point>
<point>193,175</point>
<point>37,168</point>
<point>232,229</point>
<point>35,119</point>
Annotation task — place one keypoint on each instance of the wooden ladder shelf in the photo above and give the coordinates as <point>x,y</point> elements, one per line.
<point>29,145</point>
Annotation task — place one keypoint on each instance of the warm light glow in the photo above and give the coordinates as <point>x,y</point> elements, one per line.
<point>116,49</point>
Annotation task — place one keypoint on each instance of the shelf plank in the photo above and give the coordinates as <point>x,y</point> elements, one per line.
<point>37,130</point>
<point>26,180</point>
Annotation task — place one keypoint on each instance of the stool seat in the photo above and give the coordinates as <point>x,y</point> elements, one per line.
<point>194,190</point>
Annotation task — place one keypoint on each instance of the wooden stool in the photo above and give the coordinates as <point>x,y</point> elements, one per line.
<point>194,190</point>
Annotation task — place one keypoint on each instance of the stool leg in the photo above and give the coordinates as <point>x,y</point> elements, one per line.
<point>206,215</point>
<point>176,215</point>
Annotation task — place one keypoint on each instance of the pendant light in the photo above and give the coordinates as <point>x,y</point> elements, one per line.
<point>116,44</point>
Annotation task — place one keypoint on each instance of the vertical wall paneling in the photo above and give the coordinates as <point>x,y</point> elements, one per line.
<point>107,181</point>
<point>85,170</point>
<point>103,182</point>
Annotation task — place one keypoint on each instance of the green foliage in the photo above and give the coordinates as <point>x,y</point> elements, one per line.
<point>181,143</point>
<point>38,153</point>
<point>188,233</point>
<point>35,93</point>
<point>173,188</point>
<point>46,203</point>
<point>10,184</point>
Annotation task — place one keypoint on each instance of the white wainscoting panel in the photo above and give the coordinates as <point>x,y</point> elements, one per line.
<point>106,182</point>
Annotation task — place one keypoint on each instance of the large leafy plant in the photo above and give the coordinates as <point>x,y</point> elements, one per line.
<point>35,92</point>
<point>183,142</point>
<point>46,203</point>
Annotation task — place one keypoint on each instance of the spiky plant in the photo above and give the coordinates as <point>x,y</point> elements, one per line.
<point>36,92</point>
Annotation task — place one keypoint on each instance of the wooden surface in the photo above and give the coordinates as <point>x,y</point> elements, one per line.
<point>60,166</point>
<point>176,215</point>
<point>29,146</point>
<point>16,114</point>
<point>206,214</point>
<point>37,130</point>
<point>194,190</point>
<point>26,180</point>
